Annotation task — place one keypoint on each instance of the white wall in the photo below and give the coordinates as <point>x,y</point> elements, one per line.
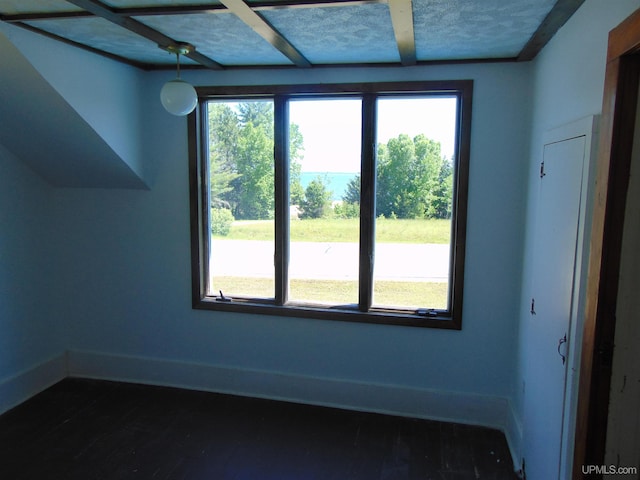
<point>125,255</point>
<point>103,92</point>
<point>121,274</point>
<point>106,273</point>
<point>31,335</point>
<point>568,82</point>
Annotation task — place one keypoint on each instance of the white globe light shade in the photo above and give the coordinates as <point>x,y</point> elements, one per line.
<point>178,97</point>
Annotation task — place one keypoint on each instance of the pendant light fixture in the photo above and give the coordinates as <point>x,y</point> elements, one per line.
<point>177,96</point>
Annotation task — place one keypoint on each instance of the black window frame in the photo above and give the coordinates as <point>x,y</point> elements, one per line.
<point>363,312</point>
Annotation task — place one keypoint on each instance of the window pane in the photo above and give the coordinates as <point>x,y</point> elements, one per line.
<point>241,192</point>
<point>414,196</point>
<point>324,200</point>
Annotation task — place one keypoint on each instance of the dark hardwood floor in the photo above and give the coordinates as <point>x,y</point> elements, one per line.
<point>84,429</point>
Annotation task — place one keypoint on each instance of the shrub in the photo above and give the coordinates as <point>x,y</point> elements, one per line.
<point>221,220</point>
<point>317,199</point>
<point>346,210</point>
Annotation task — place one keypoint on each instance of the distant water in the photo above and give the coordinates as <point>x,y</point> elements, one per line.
<point>336,181</point>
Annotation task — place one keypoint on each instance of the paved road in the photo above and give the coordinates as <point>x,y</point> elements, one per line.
<point>406,262</point>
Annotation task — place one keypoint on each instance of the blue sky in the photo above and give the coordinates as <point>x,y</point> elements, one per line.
<point>331,128</point>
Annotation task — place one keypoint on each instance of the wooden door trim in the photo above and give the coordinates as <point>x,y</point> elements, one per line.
<point>612,174</point>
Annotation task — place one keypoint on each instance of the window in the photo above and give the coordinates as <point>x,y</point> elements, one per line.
<point>343,202</point>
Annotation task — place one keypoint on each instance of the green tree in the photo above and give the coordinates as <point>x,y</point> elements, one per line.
<point>220,182</point>
<point>440,201</point>
<point>241,158</point>
<point>317,200</point>
<point>223,135</point>
<point>400,179</point>
<point>258,113</point>
<point>254,187</point>
<point>352,192</point>
<point>296,149</point>
<point>224,128</point>
<point>409,174</point>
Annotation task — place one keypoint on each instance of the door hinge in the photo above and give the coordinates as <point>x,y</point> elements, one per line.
<point>533,306</point>
<point>542,172</point>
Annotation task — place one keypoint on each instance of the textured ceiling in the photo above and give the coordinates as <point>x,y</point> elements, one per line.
<point>302,33</point>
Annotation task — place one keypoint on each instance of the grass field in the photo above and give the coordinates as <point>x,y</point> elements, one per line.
<point>396,293</point>
<point>346,230</point>
<point>399,294</point>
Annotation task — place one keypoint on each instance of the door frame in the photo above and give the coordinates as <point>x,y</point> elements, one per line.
<point>612,173</point>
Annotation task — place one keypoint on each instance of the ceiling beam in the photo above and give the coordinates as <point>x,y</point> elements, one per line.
<point>256,6</point>
<point>266,31</point>
<point>556,18</point>
<point>163,41</point>
<point>25,17</point>
<point>402,20</point>
<point>277,4</point>
<point>187,9</point>
<point>112,56</point>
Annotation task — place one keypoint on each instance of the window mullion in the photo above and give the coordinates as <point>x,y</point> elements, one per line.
<point>367,202</point>
<point>199,198</point>
<point>281,180</point>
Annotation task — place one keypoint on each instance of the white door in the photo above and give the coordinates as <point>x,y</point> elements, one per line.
<point>548,329</point>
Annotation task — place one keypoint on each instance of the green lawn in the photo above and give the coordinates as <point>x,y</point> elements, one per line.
<point>346,230</point>
<point>425,294</point>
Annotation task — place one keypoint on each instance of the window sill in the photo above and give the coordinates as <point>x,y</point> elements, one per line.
<point>344,313</point>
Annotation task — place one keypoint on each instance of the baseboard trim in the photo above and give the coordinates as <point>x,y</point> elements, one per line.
<point>484,410</point>
<point>513,433</point>
<point>24,385</point>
